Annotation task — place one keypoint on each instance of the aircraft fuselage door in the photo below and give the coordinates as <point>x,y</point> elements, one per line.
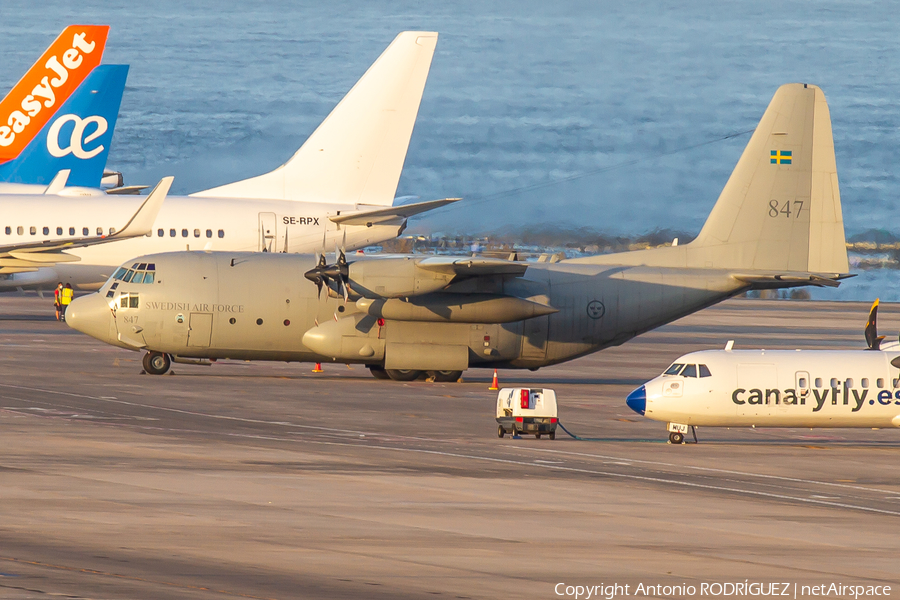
<point>200,330</point>
<point>268,232</point>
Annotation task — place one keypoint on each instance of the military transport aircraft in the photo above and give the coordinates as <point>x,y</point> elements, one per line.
<point>337,188</point>
<point>777,224</point>
<point>777,388</point>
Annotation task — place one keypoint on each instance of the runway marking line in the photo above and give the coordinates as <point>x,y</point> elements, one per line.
<point>519,463</point>
<point>711,469</point>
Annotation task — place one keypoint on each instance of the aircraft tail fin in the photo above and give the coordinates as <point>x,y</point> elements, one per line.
<point>781,208</point>
<point>78,136</point>
<point>356,155</point>
<point>48,84</point>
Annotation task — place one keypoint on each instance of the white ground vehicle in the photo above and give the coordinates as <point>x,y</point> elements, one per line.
<point>527,410</point>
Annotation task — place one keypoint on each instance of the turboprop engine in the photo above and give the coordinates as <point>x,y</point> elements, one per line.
<point>404,277</point>
<point>455,308</point>
<point>414,289</point>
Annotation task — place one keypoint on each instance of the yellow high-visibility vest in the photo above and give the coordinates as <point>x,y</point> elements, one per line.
<point>65,296</point>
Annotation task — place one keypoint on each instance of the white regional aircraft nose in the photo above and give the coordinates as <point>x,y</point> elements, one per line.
<point>91,315</point>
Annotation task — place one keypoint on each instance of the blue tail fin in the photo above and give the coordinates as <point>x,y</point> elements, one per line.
<point>77,137</point>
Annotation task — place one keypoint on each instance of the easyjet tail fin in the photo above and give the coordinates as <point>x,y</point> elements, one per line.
<point>78,136</point>
<point>47,85</point>
<point>356,155</point>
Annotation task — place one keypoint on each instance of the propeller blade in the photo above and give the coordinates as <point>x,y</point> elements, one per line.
<point>871,332</point>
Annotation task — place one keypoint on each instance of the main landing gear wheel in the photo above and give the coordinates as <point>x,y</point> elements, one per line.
<point>676,437</point>
<point>446,376</point>
<point>403,374</point>
<point>378,372</point>
<point>156,363</point>
<point>500,431</point>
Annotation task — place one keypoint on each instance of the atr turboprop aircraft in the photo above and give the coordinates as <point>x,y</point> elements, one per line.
<point>777,388</point>
<point>777,224</point>
<point>338,188</point>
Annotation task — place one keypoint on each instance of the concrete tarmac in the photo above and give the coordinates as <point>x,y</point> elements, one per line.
<point>263,480</point>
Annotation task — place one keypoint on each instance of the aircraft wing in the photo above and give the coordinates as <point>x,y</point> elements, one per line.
<point>380,215</point>
<point>472,266</point>
<point>789,279</point>
<point>29,256</point>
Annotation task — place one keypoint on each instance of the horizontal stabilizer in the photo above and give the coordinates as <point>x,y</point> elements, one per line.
<point>356,155</point>
<point>380,215</point>
<point>784,280</point>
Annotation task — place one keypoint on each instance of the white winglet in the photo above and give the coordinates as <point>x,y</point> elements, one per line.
<point>58,183</point>
<point>142,221</point>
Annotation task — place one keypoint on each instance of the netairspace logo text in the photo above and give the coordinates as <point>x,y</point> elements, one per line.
<point>744,588</point>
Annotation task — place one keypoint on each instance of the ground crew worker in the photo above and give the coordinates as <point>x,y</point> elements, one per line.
<point>65,298</point>
<point>57,293</point>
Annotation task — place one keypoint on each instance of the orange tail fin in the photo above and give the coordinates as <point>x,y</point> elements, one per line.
<point>44,88</point>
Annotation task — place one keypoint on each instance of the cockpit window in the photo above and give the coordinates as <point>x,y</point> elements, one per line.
<point>136,273</point>
<point>704,371</point>
<point>689,371</point>
<point>674,369</point>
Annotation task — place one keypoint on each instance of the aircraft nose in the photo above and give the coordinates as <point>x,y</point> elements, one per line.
<point>90,314</point>
<point>637,400</point>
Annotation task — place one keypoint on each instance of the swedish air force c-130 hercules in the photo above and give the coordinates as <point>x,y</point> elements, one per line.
<point>777,224</point>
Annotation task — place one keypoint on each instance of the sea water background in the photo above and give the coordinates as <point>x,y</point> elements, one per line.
<point>617,99</point>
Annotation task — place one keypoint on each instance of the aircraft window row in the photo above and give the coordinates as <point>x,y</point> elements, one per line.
<point>835,383</point>
<point>186,233</point>
<point>688,370</point>
<point>85,231</point>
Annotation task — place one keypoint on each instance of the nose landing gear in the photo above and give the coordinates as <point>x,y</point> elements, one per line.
<point>677,432</point>
<point>156,363</point>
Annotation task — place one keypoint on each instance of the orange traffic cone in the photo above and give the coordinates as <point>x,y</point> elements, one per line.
<point>495,385</point>
<point>317,368</point>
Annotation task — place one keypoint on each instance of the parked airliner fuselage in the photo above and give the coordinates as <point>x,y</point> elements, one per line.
<point>776,388</point>
<point>184,223</point>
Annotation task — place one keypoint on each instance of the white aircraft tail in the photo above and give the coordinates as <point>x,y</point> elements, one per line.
<point>356,155</point>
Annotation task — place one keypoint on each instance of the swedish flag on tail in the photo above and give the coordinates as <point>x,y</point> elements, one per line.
<point>780,157</point>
